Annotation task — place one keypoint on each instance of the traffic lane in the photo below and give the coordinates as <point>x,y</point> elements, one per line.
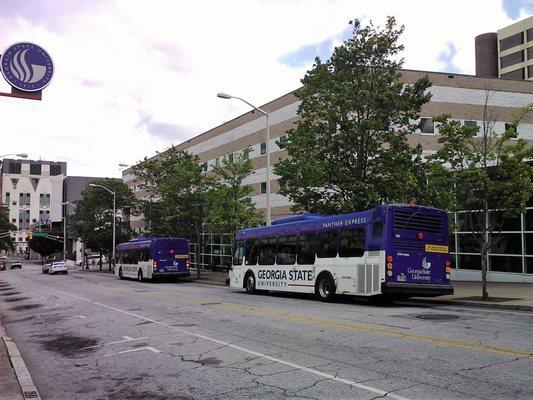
<point>298,356</point>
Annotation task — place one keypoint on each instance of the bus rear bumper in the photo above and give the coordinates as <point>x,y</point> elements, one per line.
<point>416,289</point>
<point>174,273</point>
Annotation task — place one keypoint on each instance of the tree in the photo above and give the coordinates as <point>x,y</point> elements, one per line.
<point>6,227</point>
<point>93,220</point>
<point>231,206</point>
<point>45,246</point>
<point>177,200</point>
<point>349,148</point>
<point>488,176</point>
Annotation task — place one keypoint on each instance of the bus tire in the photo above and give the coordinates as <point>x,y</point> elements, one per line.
<point>325,287</point>
<point>140,275</point>
<point>120,276</point>
<point>249,282</point>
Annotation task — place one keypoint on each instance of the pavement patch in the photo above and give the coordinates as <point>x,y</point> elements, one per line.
<point>438,317</point>
<point>69,345</point>
<point>208,361</point>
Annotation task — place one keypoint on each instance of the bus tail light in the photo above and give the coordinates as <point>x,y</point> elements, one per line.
<point>389,259</point>
<point>154,264</point>
<point>187,264</point>
<point>448,263</point>
<point>448,270</point>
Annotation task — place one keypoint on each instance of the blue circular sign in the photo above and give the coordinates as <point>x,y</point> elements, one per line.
<point>27,67</point>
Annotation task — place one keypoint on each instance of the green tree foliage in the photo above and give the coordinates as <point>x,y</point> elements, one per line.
<point>177,195</point>
<point>46,246</point>
<point>93,220</point>
<point>349,150</point>
<point>487,176</point>
<point>232,207</point>
<point>6,242</point>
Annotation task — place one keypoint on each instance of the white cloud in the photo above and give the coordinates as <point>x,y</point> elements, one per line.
<point>127,68</point>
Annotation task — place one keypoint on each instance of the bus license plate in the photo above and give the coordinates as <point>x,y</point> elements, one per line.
<point>434,248</point>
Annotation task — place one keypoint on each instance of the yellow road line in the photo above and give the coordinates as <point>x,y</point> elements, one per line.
<point>344,325</point>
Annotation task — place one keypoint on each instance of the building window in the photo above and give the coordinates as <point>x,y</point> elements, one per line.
<point>472,124</point>
<point>517,74</point>
<point>511,41</point>
<point>263,148</point>
<point>24,199</point>
<point>7,199</point>
<point>35,169</point>
<point>44,200</point>
<point>511,128</point>
<point>15,168</point>
<point>263,187</point>
<point>14,182</point>
<point>217,162</point>
<point>281,141</point>
<point>427,125</point>
<point>204,167</point>
<point>55,169</point>
<point>512,59</point>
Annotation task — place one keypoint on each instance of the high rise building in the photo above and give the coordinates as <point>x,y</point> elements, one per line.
<point>508,53</point>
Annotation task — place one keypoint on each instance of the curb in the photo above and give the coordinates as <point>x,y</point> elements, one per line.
<point>499,306</point>
<point>27,387</point>
<point>213,283</point>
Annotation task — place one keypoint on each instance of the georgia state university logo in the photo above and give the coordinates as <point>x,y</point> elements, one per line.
<point>27,67</point>
<point>425,264</point>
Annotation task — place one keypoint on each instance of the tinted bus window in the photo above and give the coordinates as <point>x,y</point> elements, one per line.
<point>251,252</point>
<point>267,251</point>
<point>327,244</point>
<point>306,248</point>
<point>287,250</point>
<point>352,242</point>
<point>238,253</point>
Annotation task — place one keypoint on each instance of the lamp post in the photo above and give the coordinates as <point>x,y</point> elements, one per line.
<point>114,212</point>
<point>266,114</point>
<point>66,203</point>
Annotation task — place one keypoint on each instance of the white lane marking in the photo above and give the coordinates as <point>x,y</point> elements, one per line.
<point>126,339</point>
<point>77,316</point>
<point>149,348</point>
<point>252,352</point>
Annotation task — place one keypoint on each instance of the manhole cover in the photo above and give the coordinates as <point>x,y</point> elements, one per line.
<point>438,317</point>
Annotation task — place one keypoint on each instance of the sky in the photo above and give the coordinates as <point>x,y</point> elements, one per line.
<point>134,77</point>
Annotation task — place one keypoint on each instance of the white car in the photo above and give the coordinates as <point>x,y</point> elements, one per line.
<point>58,266</point>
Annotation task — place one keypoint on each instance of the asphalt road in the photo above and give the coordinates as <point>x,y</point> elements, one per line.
<point>89,335</point>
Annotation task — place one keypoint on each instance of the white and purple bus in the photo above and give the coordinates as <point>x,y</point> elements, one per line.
<point>397,250</point>
<point>148,258</point>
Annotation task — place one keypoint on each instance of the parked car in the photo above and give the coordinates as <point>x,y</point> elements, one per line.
<point>47,264</point>
<point>96,259</point>
<point>58,267</point>
<point>16,264</point>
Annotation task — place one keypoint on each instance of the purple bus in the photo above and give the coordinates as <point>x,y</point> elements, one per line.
<point>147,258</point>
<point>397,250</point>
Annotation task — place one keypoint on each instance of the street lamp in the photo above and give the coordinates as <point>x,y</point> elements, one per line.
<point>114,212</point>
<point>266,114</point>
<point>21,155</point>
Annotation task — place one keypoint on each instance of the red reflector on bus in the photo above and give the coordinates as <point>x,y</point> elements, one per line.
<point>447,263</point>
<point>389,259</point>
<point>420,235</point>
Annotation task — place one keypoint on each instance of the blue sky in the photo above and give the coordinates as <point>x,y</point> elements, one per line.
<point>133,77</point>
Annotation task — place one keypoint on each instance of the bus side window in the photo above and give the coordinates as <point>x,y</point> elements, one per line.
<point>327,244</point>
<point>352,242</point>
<point>251,252</point>
<point>286,254</point>
<point>377,228</point>
<point>267,251</point>
<point>238,253</point>
<point>306,248</point>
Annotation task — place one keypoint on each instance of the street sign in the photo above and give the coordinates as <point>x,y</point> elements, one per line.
<point>27,67</point>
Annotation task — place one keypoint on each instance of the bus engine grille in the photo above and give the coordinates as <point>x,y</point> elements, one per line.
<point>417,222</point>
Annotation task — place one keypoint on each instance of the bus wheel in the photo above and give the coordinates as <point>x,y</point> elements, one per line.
<point>140,276</point>
<point>249,283</point>
<point>325,288</point>
<point>120,273</point>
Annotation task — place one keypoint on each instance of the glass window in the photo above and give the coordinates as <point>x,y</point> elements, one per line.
<point>469,262</point>
<point>511,128</point>
<point>507,223</point>
<point>352,242</point>
<point>327,244</point>
<point>35,169</point>
<point>452,243</point>
<point>306,248</point>
<point>529,265</point>
<point>251,252</point>
<point>263,187</point>
<point>529,243</point>
<point>286,250</point>
<point>507,243</point>
<point>506,264</point>
<point>529,220</point>
<point>427,125</point>
<point>263,148</point>
<point>469,220</point>
<point>473,125</point>
<point>7,198</point>
<point>468,243</point>
<point>267,251</point>
<point>15,168</point>
<point>238,253</point>
<point>281,141</point>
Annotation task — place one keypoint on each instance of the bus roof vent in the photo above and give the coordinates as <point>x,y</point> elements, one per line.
<point>297,218</point>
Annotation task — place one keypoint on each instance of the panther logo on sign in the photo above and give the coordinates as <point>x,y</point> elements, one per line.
<point>425,264</point>
<point>27,66</point>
